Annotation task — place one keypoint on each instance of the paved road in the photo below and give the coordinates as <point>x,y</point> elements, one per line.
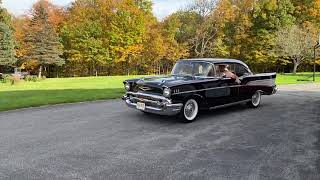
<point>106,140</point>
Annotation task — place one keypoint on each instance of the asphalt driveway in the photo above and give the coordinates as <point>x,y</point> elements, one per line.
<point>106,140</point>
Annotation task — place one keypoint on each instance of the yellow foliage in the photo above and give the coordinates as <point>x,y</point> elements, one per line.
<point>30,66</point>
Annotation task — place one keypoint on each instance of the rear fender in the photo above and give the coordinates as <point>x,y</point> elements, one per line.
<point>264,79</point>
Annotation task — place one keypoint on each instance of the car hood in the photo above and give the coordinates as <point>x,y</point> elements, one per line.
<point>161,81</point>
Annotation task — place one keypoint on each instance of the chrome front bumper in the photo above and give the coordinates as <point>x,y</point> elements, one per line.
<point>154,104</point>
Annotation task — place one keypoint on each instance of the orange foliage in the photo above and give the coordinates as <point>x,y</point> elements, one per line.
<point>20,26</point>
<point>56,13</point>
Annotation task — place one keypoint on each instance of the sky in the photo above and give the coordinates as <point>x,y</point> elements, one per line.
<point>161,8</point>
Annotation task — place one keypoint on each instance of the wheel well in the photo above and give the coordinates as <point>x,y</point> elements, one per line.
<point>196,97</point>
<point>261,92</point>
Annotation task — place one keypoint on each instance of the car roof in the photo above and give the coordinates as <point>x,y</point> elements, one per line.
<point>216,60</point>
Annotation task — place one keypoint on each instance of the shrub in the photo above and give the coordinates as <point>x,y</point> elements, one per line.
<point>14,79</point>
<point>5,78</point>
<point>27,78</point>
<point>30,78</point>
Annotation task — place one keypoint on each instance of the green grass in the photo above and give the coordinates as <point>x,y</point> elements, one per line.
<point>68,90</point>
<point>298,78</point>
<point>62,90</point>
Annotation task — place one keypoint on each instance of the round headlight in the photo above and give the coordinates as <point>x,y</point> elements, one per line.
<point>127,86</point>
<point>167,92</point>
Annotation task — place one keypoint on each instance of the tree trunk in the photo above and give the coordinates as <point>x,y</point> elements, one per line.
<point>295,67</point>
<point>128,68</point>
<point>40,71</point>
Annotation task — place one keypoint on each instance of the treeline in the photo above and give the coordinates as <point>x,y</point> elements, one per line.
<point>116,37</point>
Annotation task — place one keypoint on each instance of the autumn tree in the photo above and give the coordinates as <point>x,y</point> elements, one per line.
<point>145,6</point>
<point>87,36</point>
<point>7,44</point>
<point>174,50</point>
<point>108,34</point>
<point>206,30</point>
<point>108,37</point>
<point>128,29</point>
<point>296,44</point>
<point>43,42</point>
<point>268,16</point>
<point>307,11</point>
<point>234,24</point>
<point>4,15</point>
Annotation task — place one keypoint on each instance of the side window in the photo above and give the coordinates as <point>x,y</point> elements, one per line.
<point>211,72</point>
<point>217,72</point>
<point>232,68</point>
<point>240,70</point>
<point>220,69</point>
<point>235,68</point>
<point>203,69</point>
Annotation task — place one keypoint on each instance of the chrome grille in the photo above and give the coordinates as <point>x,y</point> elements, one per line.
<point>145,88</point>
<point>149,89</point>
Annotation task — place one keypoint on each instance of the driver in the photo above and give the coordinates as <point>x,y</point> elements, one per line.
<point>224,72</point>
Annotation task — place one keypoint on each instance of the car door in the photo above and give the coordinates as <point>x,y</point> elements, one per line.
<point>222,91</point>
<point>245,91</point>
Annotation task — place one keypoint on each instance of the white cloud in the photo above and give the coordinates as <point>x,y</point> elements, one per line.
<point>161,8</point>
<point>20,7</point>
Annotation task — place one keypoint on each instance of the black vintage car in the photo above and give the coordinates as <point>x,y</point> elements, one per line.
<point>199,84</point>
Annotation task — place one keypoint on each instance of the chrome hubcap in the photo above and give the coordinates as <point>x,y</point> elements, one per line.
<point>191,109</point>
<point>256,98</point>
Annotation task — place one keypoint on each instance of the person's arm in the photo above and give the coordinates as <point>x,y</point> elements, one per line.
<point>233,76</point>
<point>230,75</point>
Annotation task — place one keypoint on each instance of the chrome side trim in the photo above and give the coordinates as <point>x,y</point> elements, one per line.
<point>185,92</point>
<point>230,104</point>
<point>264,82</point>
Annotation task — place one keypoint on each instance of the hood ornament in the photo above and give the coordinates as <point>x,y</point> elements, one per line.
<point>162,82</point>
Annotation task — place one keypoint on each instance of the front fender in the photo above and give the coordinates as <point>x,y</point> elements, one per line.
<point>194,96</point>
<point>131,81</point>
<point>185,97</point>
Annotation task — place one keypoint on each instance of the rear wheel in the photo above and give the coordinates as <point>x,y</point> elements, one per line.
<point>189,111</point>
<point>255,100</point>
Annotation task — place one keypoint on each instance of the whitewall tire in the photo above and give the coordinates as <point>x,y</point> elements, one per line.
<point>190,111</point>
<point>255,100</point>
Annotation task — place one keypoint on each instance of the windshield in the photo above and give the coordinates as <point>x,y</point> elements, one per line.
<point>192,68</point>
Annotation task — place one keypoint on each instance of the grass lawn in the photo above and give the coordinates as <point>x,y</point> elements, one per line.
<point>298,78</point>
<point>62,90</point>
<point>67,90</point>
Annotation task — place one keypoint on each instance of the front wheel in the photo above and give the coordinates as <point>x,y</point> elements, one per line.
<point>255,100</point>
<point>189,111</point>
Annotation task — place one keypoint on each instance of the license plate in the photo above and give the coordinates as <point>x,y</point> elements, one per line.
<point>141,106</point>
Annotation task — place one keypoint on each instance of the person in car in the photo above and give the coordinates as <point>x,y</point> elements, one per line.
<point>224,72</point>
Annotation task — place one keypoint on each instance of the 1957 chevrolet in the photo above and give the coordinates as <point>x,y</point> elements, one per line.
<point>199,84</point>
